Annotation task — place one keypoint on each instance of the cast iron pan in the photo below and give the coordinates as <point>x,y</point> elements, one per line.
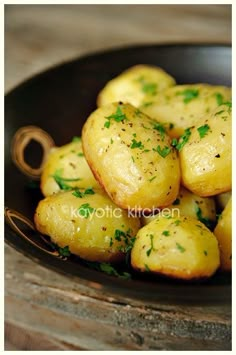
<point>59,101</point>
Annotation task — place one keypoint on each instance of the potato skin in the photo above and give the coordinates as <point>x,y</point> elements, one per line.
<point>181,248</point>
<point>223,233</point>
<point>90,236</point>
<point>189,204</point>
<point>137,85</point>
<point>125,160</point>
<point>184,105</point>
<point>206,163</point>
<point>71,163</point>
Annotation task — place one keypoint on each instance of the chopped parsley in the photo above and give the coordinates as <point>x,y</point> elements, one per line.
<point>208,222</point>
<point>176,202</point>
<point>64,251</point>
<point>219,112</point>
<point>163,152</point>
<point>62,182</point>
<point>148,252</point>
<point>166,233</point>
<point>108,269</point>
<point>189,94</point>
<point>85,210</point>
<point>203,130</point>
<point>182,140</point>
<point>159,127</point>
<point>171,126</point>
<point>80,154</point>
<point>149,88</point>
<point>180,247</point>
<point>118,116</point>
<point>81,194</point>
<point>76,139</point>
<point>147,268</point>
<point>177,222</point>
<point>219,98</point>
<point>126,237</point>
<point>152,178</point>
<point>136,144</point>
<point>205,252</point>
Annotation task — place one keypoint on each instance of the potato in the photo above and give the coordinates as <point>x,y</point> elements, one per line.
<point>223,233</point>
<point>181,106</point>
<point>189,204</point>
<point>223,199</point>
<point>206,157</point>
<point>131,156</point>
<point>91,225</point>
<point>137,85</point>
<point>63,163</point>
<point>181,248</point>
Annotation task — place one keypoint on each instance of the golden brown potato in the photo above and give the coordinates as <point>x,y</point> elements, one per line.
<point>223,233</point>
<point>181,248</point>
<point>89,223</point>
<point>137,85</point>
<point>65,168</point>
<point>189,204</point>
<point>223,199</point>
<point>206,156</point>
<point>181,106</point>
<point>131,156</point>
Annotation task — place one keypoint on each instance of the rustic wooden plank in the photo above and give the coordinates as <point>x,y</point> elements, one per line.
<point>62,308</point>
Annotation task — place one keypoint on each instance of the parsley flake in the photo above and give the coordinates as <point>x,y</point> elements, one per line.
<point>203,130</point>
<point>81,194</point>
<point>85,210</point>
<point>219,98</point>
<point>208,222</point>
<point>136,144</point>
<point>183,139</point>
<point>166,233</point>
<point>118,116</point>
<point>180,247</point>
<point>176,202</point>
<point>64,251</point>
<point>189,94</point>
<point>76,139</point>
<point>163,152</point>
<point>62,181</point>
<point>159,127</point>
<point>148,252</point>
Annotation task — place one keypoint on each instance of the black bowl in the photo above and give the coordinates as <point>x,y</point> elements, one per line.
<point>59,101</point>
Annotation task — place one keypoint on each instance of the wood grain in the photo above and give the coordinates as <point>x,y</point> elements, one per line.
<point>48,311</point>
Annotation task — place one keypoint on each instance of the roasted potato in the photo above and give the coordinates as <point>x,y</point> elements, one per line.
<point>189,204</point>
<point>206,154</point>
<point>223,233</point>
<point>182,248</point>
<point>137,85</point>
<point>223,199</point>
<point>89,223</point>
<point>65,168</point>
<point>181,106</point>
<point>131,156</point>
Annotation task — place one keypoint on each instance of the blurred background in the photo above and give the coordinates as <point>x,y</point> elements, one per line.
<point>40,36</point>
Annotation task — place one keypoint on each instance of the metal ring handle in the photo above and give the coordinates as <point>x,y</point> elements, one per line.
<point>20,141</point>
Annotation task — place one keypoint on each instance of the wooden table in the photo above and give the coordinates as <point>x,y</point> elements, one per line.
<point>47,311</point>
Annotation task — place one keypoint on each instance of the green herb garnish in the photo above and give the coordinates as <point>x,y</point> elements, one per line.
<point>163,152</point>
<point>118,116</point>
<point>136,144</point>
<point>219,98</point>
<point>208,223</point>
<point>176,202</point>
<point>180,247</point>
<point>81,194</point>
<point>166,233</point>
<point>189,94</point>
<point>183,139</point>
<point>148,252</point>
<point>76,139</point>
<point>159,127</point>
<point>85,210</point>
<point>203,130</point>
<point>62,182</point>
<point>64,251</point>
